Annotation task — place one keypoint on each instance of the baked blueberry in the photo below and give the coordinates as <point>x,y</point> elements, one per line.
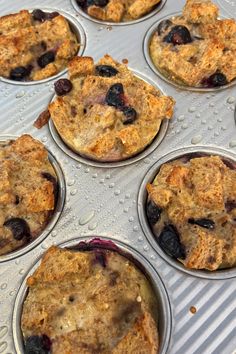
<point>169,241</point>
<point>206,223</point>
<point>130,115</point>
<point>115,96</point>
<point>46,59</point>
<point>178,35</point>
<point>63,86</point>
<point>19,73</point>
<point>39,15</point>
<point>37,345</point>
<point>18,227</point>
<point>153,212</point>
<point>216,80</point>
<point>106,70</point>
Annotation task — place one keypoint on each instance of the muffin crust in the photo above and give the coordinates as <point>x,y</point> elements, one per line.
<point>90,302</point>
<point>205,57</point>
<point>194,206</point>
<point>94,126</point>
<point>24,40</point>
<point>27,192</point>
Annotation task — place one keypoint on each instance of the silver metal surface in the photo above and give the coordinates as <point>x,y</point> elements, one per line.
<point>163,310</point>
<point>104,201</point>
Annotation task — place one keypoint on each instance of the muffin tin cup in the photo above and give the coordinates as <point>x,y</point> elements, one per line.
<point>157,8</point>
<point>146,44</point>
<point>164,309</point>
<point>95,163</point>
<point>76,28</point>
<point>56,213</point>
<point>142,198</point>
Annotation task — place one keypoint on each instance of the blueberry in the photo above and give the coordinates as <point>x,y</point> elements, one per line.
<point>215,80</point>
<point>169,241</point>
<point>46,58</point>
<point>163,26</point>
<point>178,35</point>
<point>114,96</point>
<point>18,227</point>
<point>106,70</point>
<point>37,345</point>
<point>82,3</point>
<point>20,73</point>
<point>100,3</point>
<point>63,86</point>
<point>52,15</point>
<point>39,15</point>
<point>206,223</point>
<point>230,205</point>
<point>153,212</point>
<point>130,115</point>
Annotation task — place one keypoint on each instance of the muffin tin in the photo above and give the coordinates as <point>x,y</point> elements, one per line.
<point>105,201</point>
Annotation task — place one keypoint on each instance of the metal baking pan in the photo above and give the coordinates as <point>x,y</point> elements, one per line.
<point>105,200</point>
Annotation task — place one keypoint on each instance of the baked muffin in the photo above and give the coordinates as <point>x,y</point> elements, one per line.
<point>35,46</point>
<point>105,112</point>
<point>196,49</point>
<point>93,301</point>
<point>117,10</point>
<point>191,209</point>
<point>28,192</point>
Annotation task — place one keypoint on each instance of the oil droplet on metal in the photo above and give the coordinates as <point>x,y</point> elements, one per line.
<point>3,331</point>
<point>86,217</point>
<point>125,61</point>
<point>232,144</point>
<point>3,347</point>
<point>193,309</point>
<point>196,139</point>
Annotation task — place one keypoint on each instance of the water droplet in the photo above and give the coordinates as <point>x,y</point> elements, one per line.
<point>108,176</point>
<point>87,170</point>
<point>192,109</point>
<point>11,293</point>
<point>131,219</point>
<point>210,127</point>
<point>3,347</point>
<point>20,94</point>
<point>127,196</point>
<point>212,104</point>
<point>3,331</point>
<point>216,112</point>
<point>43,246</point>
<point>112,185</point>
<point>153,256</point>
<point>223,127</point>
<point>92,226</point>
<point>78,166</point>
<point>181,118</point>
<point>146,248</point>
<point>86,217</point>
<point>71,182</point>
<point>95,175</point>
<point>147,161</point>
<point>196,139</point>
<point>219,120</point>
<point>185,126</point>
<point>135,228</point>
<point>17,261</point>
<point>21,271</point>
<point>232,108</point>
<point>232,144</point>
<point>216,133</point>
<point>177,131</point>
<point>73,192</point>
<point>121,201</point>
<point>198,115</point>
<point>3,286</point>
<point>140,239</point>
<point>109,28</point>
<point>203,121</point>
<point>117,192</point>
<point>126,210</point>
<point>101,181</point>
<point>230,100</point>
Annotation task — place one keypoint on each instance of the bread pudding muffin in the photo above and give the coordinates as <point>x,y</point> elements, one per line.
<point>196,49</point>
<point>117,10</point>
<point>35,46</point>
<point>89,300</point>
<point>106,113</point>
<point>191,209</point>
<point>28,192</point>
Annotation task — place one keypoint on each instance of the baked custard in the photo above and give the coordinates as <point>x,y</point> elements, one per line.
<point>196,49</point>
<point>105,112</point>
<point>35,46</point>
<point>191,209</point>
<point>90,301</point>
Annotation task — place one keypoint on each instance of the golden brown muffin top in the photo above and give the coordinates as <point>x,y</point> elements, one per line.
<point>109,114</point>
<point>196,49</point>
<point>27,192</point>
<point>193,204</point>
<point>118,10</point>
<point>90,302</point>
<point>35,46</point>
